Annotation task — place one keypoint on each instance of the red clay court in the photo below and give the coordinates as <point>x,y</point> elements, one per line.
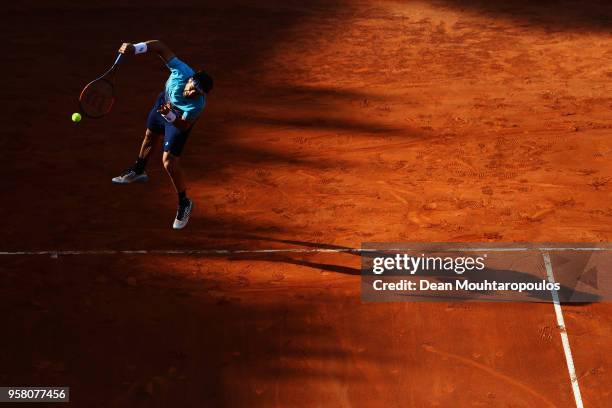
<point>331,124</point>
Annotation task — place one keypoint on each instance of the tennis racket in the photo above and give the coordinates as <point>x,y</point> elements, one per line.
<point>98,96</point>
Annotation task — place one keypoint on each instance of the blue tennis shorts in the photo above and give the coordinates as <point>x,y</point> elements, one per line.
<point>174,138</point>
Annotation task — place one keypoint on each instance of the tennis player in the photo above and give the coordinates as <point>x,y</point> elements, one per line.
<point>172,117</point>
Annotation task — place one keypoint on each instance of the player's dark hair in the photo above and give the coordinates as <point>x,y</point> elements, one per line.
<point>204,80</point>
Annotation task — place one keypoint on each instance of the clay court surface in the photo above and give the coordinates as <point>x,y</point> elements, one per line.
<point>332,123</point>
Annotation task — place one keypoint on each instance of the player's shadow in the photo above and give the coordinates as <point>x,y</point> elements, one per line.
<point>551,15</point>
<point>296,242</point>
<point>296,259</point>
<point>310,244</point>
<point>299,258</point>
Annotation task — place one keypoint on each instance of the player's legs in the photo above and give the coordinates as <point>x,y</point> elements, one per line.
<point>150,143</point>
<point>155,128</point>
<point>185,205</point>
<point>174,141</point>
<point>136,173</point>
<point>171,164</point>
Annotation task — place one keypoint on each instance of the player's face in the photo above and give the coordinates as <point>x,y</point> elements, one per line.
<point>190,90</point>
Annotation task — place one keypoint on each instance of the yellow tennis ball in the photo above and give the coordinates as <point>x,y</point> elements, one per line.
<point>76,117</point>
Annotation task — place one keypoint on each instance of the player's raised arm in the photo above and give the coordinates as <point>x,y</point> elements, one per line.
<point>152,45</point>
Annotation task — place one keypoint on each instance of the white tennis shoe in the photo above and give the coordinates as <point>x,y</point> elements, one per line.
<point>182,214</point>
<point>130,176</point>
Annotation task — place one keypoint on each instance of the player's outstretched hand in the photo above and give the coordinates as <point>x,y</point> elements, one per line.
<point>126,48</point>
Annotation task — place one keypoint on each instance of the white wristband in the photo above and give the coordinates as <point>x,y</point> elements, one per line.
<point>170,117</point>
<point>140,48</point>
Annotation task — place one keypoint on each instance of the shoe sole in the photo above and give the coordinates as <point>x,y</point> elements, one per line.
<point>138,180</point>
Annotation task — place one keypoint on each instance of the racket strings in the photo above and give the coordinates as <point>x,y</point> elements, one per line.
<point>97,98</point>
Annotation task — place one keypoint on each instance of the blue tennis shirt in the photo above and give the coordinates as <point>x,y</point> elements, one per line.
<point>179,75</point>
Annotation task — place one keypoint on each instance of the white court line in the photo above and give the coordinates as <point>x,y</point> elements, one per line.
<point>178,251</point>
<point>563,331</point>
<point>56,253</point>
